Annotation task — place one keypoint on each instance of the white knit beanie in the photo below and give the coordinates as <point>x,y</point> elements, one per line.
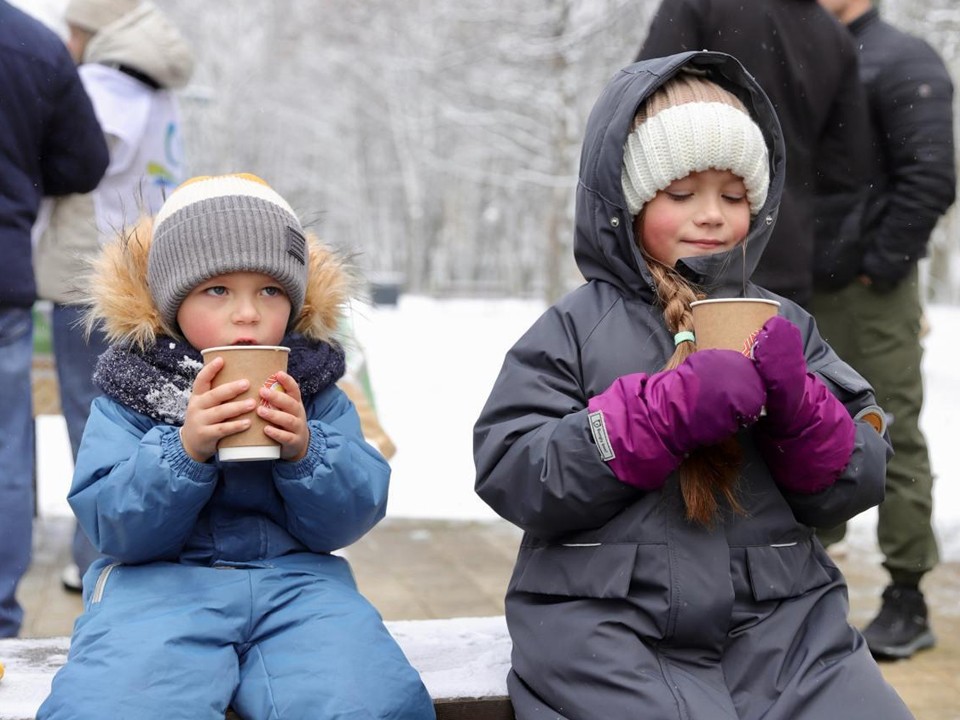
<point>691,124</point>
<point>213,225</point>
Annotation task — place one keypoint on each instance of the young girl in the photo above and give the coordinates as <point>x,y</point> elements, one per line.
<point>668,567</point>
<point>219,588</point>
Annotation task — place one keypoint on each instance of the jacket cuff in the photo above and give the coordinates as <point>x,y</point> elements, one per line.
<point>181,463</point>
<point>633,451</point>
<point>304,467</point>
<point>884,277</point>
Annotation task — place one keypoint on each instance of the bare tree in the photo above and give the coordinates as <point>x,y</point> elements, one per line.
<point>438,139</point>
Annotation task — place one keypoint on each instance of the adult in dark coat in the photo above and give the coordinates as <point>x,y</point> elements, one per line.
<point>50,144</point>
<point>868,296</point>
<point>619,606</point>
<point>807,66</point>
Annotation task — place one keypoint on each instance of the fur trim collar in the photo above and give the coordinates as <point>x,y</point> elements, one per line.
<point>120,304</point>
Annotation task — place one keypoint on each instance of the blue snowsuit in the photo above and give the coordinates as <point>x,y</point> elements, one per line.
<point>219,587</point>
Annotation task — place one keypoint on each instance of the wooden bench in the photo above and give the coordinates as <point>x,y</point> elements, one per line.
<point>463,663</point>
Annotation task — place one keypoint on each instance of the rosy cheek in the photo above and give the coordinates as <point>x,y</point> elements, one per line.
<point>742,227</point>
<point>658,233</point>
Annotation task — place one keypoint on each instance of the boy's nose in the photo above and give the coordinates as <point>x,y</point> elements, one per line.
<point>245,312</point>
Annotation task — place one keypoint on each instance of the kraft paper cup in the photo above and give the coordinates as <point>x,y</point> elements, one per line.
<point>259,364</point>
<point>730,323</point>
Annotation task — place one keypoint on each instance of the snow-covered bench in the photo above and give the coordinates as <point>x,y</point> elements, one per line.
<point>463,662</point>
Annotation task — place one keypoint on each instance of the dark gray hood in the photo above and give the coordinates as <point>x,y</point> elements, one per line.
<point>604,244</point>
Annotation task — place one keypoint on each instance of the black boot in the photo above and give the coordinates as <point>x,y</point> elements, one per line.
<point>900,628</point>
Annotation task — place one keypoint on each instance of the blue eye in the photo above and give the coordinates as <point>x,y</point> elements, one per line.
<point>217,290</point>
<point>273,291</point>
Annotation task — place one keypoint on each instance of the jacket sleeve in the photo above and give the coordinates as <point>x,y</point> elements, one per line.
<point>75,154</point>
<point>536,462</point>
<point>338,491</point>
<point>913,109</point>
<point>860,485</point>
<point>135,492</point>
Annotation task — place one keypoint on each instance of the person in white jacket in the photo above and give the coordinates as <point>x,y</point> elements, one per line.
<point>131,60</point>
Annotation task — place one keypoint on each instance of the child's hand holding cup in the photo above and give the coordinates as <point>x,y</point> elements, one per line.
<point>259,364</point>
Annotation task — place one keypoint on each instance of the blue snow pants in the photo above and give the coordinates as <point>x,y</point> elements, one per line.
<point>292,638</point>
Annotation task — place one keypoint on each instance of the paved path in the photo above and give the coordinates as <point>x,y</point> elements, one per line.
<point>412,569</point>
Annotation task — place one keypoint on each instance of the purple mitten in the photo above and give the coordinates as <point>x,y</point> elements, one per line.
<point>807,437</point>
<point>645,425</point>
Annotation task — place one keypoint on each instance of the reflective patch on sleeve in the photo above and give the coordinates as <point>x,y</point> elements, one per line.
<point>874,416</point>
<point>600,437</point>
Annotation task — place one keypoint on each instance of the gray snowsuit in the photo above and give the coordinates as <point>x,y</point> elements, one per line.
<point>619,607</point>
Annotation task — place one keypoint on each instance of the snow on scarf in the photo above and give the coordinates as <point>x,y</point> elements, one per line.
<point>158,382</point>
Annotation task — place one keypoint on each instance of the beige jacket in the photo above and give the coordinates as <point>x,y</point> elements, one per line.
<point>141,125</point>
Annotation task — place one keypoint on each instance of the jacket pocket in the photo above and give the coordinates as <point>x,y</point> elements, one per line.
<point>593,570</point>
<point>778,572</point>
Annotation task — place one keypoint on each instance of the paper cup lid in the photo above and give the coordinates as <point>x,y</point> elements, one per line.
<point>221,348</point>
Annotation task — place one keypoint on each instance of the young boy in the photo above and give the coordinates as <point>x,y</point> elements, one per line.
<point>219,588</point>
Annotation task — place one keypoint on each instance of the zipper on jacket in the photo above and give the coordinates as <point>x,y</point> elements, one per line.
<point>101,583</point>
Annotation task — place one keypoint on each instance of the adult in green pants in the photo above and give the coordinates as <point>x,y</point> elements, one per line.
<point>867,302</point>
<point>878,334</point>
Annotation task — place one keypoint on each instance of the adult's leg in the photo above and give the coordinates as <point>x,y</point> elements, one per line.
<point>891,357</point>
<point>16,460</point>
<point>885,328</point>
<point>155,641</point>
<point>881,340</point>
<point>76,357</point>
<point>892,364</point>
<point>320,650</point>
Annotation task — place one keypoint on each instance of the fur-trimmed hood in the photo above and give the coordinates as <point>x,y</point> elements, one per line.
<point>120,303</point>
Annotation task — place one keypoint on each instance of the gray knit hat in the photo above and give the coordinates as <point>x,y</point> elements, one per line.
<point>213,225</point>
<point>691,124</point>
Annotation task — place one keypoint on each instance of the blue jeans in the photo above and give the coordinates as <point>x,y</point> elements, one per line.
<point>16,460</point>
<point>76,357</point>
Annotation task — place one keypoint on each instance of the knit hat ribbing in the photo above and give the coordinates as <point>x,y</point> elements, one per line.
<point>213,225</point>
<point>691,124</point>
<point>93,15</point>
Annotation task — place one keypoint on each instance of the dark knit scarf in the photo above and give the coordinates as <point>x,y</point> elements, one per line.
<point>158,382</point>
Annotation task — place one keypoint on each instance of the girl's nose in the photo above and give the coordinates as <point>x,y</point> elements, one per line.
<point>708,212</point>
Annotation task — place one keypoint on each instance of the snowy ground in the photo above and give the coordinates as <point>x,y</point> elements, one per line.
<point>432,364</point>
